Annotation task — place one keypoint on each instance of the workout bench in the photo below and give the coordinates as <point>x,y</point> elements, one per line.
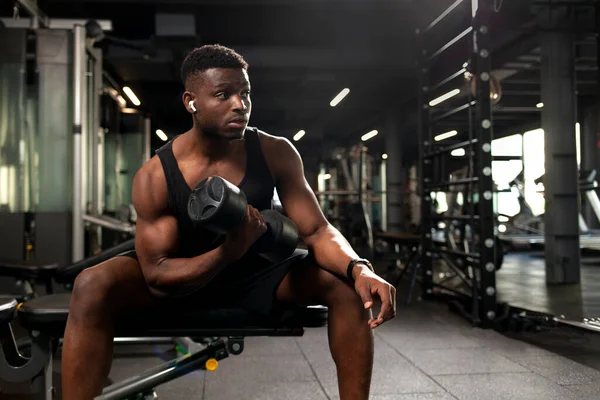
<point>45,318</point>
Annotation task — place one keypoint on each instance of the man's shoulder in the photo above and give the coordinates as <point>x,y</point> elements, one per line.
<point>149,176</point>
<point>273,141</point>
<point>281,155</point>
<point>151,169</point>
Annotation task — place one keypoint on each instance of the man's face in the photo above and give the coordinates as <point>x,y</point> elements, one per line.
<point>222,100</point>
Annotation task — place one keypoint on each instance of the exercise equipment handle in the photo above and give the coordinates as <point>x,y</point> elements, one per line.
<point>68,273</point>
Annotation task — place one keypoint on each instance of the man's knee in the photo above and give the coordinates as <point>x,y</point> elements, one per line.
<point>91,290</point>
<point>332,288</point>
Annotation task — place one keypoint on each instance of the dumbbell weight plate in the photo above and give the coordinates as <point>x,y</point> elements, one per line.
<point>217,205</point>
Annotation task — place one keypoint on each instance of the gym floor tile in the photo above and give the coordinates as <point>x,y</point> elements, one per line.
<point>256,346</point>
<point>286,368</point>
<point>416,338</point>
<point>505,386</point>
<point>585,391</point>
<point>460,361</point>
<point>187,387</point>
<point>392,374</point>
<point>508,347</point>
<point>561,370</point>
<point>414,396</point>
<point>262,391</point>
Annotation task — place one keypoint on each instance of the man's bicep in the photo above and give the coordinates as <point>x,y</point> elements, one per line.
<point>156,230</point>
<point>155,239</point>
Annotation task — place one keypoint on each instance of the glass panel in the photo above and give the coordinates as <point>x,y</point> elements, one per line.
<point>508,146</point>
<point>123,158</point>
<point>55,133</point>
<point>503,172</point>
<point>17,140</point>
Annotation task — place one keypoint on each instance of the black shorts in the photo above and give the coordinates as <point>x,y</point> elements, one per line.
<point>250,283</point>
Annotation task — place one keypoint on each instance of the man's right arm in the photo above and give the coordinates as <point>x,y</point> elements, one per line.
<point>157,238</point>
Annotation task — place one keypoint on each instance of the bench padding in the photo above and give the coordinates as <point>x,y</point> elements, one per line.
<point>22,270</point>
<point>49,314</point>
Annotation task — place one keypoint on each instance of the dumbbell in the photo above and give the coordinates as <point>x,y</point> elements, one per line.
<point>219,206</point>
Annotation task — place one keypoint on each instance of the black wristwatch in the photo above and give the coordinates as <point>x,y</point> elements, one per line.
<point>352,263</point>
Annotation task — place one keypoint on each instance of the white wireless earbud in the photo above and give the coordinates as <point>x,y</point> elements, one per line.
<point>191,103</point>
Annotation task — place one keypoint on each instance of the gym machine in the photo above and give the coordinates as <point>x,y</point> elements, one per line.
<point>60,142</point>
<point>352,192</point>
<point>525,234</point>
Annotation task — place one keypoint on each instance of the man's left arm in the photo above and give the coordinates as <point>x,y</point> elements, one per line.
<point>329,247</point>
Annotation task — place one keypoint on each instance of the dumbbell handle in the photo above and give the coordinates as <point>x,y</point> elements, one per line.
<point>220,206</point>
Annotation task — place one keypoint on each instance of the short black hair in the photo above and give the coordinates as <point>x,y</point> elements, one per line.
<point>210,56</point>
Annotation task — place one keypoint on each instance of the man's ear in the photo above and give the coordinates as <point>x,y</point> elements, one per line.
<point>189,102</point>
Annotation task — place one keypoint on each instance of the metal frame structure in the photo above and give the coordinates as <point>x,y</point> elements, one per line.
<point>476,268</point>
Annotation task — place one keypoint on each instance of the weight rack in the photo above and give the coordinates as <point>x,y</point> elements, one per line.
<point>479,268</point>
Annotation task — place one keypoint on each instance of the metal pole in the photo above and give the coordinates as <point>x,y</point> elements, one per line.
<point>321,186</point>
<point>425,166</point>
<point>487,248</point>
<point>78,68</point>
<point>362,179</point>
<point>147,136</point>
<point>384,195</point>
<point>98,181</point>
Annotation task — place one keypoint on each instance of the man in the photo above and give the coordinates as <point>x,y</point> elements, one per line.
<point>175,261</point>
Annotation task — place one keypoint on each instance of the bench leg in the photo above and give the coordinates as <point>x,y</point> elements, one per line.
<point>164,373</point>
<point>44,380</point>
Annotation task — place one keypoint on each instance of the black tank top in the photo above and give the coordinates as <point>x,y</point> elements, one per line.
<point>257,184</point>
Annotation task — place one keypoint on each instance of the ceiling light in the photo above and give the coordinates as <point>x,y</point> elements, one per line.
<point>369,135</point>
<point>336,100</point>
<point>131,95</point>
<point>540,105</point>
<point>444,97</point>
<point>446,135</point>
<point>384,156</point>
<point>458,152</point>
<point>299,135</point>
<point>161,135</point>
<point>121,101</point>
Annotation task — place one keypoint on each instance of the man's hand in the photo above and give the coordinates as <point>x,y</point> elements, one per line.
<point>368,284</point>
<point>239,240</point>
